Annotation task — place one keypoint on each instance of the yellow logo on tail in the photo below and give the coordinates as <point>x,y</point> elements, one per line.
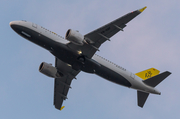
<point>148,73</point>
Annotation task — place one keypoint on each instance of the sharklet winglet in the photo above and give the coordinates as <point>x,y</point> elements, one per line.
<point>62,107</point>
<point>141,10</point>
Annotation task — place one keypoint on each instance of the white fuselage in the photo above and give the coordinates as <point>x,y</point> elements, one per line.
<point>105,68</point>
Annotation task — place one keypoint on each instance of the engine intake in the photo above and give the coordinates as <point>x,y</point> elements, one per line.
<point>75,37</point>
<point>49,70</point>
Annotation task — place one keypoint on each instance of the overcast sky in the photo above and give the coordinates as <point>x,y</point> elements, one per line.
<point>150,40</point>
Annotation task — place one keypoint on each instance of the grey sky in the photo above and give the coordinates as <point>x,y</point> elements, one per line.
<point>149,40</point>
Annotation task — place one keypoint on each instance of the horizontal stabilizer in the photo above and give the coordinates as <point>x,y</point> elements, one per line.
<point>154,81</point>
<point>142,97</point>
<point>148,73</point>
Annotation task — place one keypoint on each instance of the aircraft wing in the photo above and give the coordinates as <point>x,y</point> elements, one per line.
<point>99,36</point>
<point>62,85</point>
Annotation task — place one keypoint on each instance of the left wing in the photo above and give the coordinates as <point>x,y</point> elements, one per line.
<point>97,37</point>
<point>62,85</point>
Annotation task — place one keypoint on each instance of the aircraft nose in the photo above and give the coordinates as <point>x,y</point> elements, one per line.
<point>12,24</point>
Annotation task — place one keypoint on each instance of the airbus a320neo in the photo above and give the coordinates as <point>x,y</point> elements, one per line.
<point>76,53</point>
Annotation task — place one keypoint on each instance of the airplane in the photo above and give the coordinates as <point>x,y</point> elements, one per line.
<point>76,53</point>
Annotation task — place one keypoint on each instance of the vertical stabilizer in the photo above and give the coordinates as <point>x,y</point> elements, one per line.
<point>148,73</point>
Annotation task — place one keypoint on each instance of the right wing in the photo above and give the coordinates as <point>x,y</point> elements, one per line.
<point>62,85</point>
<point>99,36</point>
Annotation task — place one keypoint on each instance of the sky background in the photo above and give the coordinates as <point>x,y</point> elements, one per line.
<point>150,40</point>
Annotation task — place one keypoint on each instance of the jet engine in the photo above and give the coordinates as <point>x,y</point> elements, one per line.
<point>75,37</point>
<point>49,70</point>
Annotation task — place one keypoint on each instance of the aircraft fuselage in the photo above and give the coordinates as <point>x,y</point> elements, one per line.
<point>97,65</point>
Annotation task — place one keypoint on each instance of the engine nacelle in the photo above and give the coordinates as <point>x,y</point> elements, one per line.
<point>75,37</point>
<point>49,70</point>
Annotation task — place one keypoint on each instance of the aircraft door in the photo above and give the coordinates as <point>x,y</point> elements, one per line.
<point>34,25</point>
<point>132,76</point>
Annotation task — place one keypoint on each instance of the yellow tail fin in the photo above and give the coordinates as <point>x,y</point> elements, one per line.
<point>148,73</point>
